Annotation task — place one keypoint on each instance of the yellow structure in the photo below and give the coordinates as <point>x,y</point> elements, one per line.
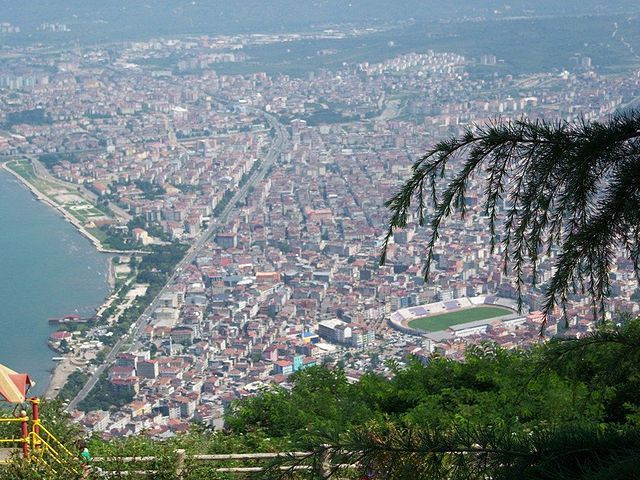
<point>35,442</point>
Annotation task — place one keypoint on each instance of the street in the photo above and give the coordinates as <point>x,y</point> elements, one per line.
<point>215,226</point>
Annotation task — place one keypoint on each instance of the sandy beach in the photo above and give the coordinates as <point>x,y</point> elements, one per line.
<point>59,377</point>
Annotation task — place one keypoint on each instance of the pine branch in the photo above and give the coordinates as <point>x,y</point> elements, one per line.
<point>571,186</point>
<point>392,452</point>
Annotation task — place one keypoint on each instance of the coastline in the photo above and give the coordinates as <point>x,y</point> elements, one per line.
<point>61,370</point>
<point>70,363</point>
<point>59,375</point>
<point>58,208</point>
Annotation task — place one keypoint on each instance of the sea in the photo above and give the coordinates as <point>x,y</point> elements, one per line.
<point>47,269</point>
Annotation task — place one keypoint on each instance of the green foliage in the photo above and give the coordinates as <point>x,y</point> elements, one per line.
<point>398,453</point>
<point>198,440</point>
<point>104,397</point>
<point>321,401</point>
<point>245,178</point>
<point>187,188</point>
<point>154,230</point>
<point>162,259</point>
<point>73,385</point>
<point>564,409</point>
<point>57,422</point>
<point>36,116</point>
<point>117,239</point>
<point>163,467</point>
<point>19,469</point>
<point>226,198</point>
<point>150,190</point>
<point>607,363</point>
<point>51,414</point>
<point>439,395</point>
<point>284,247</point>
<point>50,160</point>
<point>154,269</point>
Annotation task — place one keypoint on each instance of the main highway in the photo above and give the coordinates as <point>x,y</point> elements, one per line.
<point>278,146</point>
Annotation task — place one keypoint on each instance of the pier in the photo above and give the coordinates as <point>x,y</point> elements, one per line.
<point>70,319</point>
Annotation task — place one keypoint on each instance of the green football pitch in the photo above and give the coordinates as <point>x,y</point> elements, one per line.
<point>446,320</point>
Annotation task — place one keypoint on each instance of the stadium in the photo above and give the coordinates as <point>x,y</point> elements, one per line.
<point>461,317</point>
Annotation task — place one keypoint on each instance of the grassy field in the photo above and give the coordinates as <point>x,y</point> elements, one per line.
<point>24,169</point>
<point>446,320</point>
<point>83,211</point>
<point>66,197</point>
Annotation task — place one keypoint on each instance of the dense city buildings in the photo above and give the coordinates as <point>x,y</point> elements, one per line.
<point>290,276</point>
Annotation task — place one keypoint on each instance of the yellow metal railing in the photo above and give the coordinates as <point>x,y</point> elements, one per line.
<point>57,442</point>
<point>41,447</point>
<point>19,444</point>
<point>13,419</point>
<point>47,450</point>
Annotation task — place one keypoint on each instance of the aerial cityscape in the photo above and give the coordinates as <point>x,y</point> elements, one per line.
<point>242,211</point>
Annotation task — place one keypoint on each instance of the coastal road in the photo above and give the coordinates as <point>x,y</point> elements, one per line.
<point>216,225</point>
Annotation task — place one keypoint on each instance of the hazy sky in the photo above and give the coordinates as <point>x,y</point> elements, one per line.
<point>179,16</point>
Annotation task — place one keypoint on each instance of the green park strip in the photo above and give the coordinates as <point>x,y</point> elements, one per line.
<point>443,321</point>
<point>63,196</point>
<point>24,169</point>
<point>68,200</point>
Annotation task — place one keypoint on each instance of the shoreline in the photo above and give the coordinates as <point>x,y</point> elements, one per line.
<point>66,215</point>
<point>60,374</point>
<point>61,370</point>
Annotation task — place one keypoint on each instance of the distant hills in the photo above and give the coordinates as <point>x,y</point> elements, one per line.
<point>525,36</point>
<point>97,20</point>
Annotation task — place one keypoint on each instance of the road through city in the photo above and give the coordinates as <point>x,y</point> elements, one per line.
<point>216,225</point>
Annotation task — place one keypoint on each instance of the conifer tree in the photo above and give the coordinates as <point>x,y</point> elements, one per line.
<point>570,186</point>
